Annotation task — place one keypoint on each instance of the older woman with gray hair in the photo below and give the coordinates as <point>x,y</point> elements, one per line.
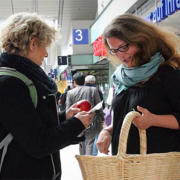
<point>38,132</point>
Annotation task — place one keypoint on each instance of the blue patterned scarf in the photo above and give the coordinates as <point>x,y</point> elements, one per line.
<point>124,77</point>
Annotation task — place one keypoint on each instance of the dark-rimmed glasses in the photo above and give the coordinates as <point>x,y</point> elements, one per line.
<point>124,48</point>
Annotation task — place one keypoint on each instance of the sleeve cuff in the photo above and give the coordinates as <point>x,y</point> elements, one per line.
<point>177,116</point>
<point>62,116</point>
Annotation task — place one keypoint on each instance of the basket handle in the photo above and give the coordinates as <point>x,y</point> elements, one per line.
<point>124,135</point>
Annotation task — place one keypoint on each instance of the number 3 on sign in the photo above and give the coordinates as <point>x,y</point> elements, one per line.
<point>80,36</point>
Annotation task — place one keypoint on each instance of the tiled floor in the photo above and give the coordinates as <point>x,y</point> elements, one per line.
<point>70,166</point>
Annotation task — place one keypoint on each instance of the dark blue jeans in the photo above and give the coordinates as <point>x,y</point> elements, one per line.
<point>95,149</point>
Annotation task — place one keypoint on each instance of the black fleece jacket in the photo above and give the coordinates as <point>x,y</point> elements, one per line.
<point>38,134</point>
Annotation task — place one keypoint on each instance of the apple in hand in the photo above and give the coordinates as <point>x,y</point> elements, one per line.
<point>84,105</point>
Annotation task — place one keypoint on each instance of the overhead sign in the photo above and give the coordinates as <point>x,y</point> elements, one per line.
<point>62,60</point>
<point>167,7</point>
<point>80,36</point>
<point>53,72</point>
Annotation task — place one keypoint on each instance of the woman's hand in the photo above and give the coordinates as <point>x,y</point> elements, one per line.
<point>145,121</point>
<point>85,117</point>
<point>72,111</point>
<point>103,142</point>
<point>148,119</point>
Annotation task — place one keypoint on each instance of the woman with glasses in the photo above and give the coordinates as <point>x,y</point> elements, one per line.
<point>148,80</point>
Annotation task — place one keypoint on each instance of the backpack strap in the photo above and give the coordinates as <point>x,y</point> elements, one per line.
<point>13,72</point>
<point>4,143</point>
<point>33,93</point>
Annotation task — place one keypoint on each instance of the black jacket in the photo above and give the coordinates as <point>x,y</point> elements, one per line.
<point>38,134</point>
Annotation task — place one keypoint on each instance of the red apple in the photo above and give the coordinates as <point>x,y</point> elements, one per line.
<point>84,105</point>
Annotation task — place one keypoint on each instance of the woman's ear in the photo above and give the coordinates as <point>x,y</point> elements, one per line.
<point>33,44</point>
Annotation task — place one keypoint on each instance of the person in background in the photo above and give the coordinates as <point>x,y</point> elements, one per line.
<point>39,133</point>
<point>78,93</point>
<point>58,95</point>
<point>62,99</point>
<point>107,117</point>
<point>147,81</point>
<point>90,80</point>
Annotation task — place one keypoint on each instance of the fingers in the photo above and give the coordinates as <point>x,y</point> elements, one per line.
<point>85,118</point>
<point>71,112</point>
<point>135,122</point>
<point>103,142</point>
<point>103,148</point>
<point>90,120</point>
<point>143,110</point>
<point>75,110</point>
<point>142,122</point>
<point>74,105</point>
<point>84,113</point>
<point>91,115</point>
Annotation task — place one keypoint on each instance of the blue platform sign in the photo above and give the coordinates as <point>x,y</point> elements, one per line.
<point>53,72</point>
<point>80,36</point>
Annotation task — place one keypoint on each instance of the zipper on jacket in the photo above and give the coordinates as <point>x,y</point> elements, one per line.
<point>57,110</point>
<point>56,107</point>
<point>54,177</point>
<point>54,170</point>
<point>52,160</point>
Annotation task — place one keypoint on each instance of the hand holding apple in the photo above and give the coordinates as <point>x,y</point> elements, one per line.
<point>73,110</point>
<point>84,105</point>
<point>85,118</point>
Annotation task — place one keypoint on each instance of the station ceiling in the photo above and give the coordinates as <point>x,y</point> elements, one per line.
<point>62,10</point>
<point>65,11</point>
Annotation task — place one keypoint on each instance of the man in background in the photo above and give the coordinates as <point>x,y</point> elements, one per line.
<point>62,99</point>
<point>81,92</point>
<point>90,80</point>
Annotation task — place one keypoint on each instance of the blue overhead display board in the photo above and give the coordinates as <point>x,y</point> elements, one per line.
<point>80,36</point>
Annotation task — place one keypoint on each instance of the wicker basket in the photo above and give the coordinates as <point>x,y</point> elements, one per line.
<point>157,166</point>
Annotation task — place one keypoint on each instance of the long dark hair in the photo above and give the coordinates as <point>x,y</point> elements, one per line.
<point>148,37</point>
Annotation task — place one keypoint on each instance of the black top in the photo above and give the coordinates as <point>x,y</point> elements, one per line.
<point>161,96</point>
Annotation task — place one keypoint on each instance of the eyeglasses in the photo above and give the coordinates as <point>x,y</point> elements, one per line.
<point>121,49</point>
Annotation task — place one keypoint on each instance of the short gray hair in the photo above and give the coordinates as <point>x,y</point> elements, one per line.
<point>90,78</point>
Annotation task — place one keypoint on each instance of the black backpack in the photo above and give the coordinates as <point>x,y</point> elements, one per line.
<point>33,93</point>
